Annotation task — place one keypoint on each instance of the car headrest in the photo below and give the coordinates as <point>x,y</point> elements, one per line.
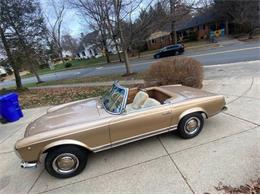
<point>139,99</point>
<point>150,102</point>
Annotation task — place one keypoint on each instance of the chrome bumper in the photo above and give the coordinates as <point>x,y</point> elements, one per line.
<point>28,164</point>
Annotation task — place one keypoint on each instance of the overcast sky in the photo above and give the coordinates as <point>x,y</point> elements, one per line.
<point>73,22</point>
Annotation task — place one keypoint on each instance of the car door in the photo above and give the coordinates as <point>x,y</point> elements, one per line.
<point>140,124</point>
<point>168,51</point>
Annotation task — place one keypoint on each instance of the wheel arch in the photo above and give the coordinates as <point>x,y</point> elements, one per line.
<point>194,110</point>
<point>59,143</point>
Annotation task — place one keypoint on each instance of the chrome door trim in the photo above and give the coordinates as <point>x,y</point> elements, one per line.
<point>134,138</point>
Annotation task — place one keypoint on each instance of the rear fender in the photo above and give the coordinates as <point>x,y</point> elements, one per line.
<point>193,110</point>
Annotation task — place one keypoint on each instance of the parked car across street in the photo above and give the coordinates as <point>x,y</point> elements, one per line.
<point>170,50</point>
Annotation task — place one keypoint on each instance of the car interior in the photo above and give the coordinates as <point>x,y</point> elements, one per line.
<point>140,99</point>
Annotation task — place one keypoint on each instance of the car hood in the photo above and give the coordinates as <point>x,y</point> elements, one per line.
<point>67,115</point>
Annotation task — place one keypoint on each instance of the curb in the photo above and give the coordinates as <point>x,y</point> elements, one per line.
<point>94,84</point>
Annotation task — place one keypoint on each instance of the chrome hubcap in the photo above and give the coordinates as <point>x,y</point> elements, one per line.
<point>65,163</point>
<point>192,125</point>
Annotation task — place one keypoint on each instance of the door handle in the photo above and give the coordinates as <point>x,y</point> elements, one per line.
<point>166,113</point>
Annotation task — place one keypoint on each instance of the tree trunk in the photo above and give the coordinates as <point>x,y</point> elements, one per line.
<point>173,29</point>
<point>107,55</point>
<point>61,56</point>
<point>227,28</point>
<point>36,74</point>
<point>117,7</point>
<point>117,51</point>
<point>127,64</point>
<point>17,76</point>
<point>104,43</point>
<point>11,60</point>
<point>174,33</point>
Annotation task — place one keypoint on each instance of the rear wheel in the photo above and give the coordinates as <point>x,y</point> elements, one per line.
<point>190,125</point>
<point>66,161</point>
<point>157,56</point>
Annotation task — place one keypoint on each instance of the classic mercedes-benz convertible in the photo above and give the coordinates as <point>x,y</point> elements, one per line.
<point>68,132</point>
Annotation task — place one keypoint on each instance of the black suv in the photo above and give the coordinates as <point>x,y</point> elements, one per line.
<point>170,50</point>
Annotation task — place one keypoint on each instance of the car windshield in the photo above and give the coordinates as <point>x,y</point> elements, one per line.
<point>163,49</point>
<point>114,100</point>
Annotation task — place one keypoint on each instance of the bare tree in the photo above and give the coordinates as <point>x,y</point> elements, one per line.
<point>244,14</point>
<point>118,11</point>
<point>55,27</point>
<point>10,57</point>
<point>121,11</point>
<point>25,27</point>
<point>111,27</point>
<point>94,10</point>
<point>69,43</point>
<point>178,9</point>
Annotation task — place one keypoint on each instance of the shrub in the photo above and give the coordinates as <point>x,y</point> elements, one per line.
<point>175,70</point>
<point>68,64</point>
<point>44,66</point>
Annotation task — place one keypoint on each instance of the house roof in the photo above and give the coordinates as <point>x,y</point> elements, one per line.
<point>158,34</point>
<point>88,39</point>
<point>91,37</point>
<point>206,17</point>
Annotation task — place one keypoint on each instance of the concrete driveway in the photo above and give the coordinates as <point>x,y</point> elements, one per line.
<point>227,151</point>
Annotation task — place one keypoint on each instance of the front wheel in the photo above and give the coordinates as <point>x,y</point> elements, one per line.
<point>190,125</point>
<point>66,161</point>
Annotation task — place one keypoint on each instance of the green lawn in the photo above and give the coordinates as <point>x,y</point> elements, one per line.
<point>102,60</point>
<point>75,65</point>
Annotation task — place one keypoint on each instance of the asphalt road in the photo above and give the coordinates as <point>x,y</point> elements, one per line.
<point>227,53</point>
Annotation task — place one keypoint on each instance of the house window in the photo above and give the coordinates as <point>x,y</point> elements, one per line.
<point>153,41</point>
<point>83,53</point>
<point>204,26</point>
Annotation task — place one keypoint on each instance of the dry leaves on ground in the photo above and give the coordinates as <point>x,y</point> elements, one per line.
<point>55,96</point>
<point>252,187</point>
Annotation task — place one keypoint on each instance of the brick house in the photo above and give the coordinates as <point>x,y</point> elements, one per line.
<point>199,27</point>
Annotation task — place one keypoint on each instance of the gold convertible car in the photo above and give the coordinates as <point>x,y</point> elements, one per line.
<point>68,132</point>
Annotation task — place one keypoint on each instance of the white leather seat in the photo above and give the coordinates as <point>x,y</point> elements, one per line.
<point>138,101</point>
<point>151,102</point>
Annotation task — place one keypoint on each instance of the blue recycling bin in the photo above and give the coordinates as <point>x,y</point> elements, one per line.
<point>10,109</point>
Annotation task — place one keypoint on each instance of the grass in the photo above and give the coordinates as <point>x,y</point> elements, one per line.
<point>76,64</point>
<point>84,63</point>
